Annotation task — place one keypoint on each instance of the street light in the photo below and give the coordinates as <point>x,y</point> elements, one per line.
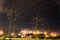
<point>12,34</point>
<point>24,32</point>
<point>36,32</point>
<point>1,32</point>
<point>53,34</point>
<point>45,33</point>
<point>19,34</point>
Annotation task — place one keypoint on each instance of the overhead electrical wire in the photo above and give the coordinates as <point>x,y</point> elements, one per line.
<point>20,2</point>
<point>33,3</point>
<point>40,10</point>
<point>37,7</point>
<point>27,7</point>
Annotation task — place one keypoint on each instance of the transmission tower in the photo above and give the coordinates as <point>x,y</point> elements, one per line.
<point>36,20</point>
<point>12,19</point>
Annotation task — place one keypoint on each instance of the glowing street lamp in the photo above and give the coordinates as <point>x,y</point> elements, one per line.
<point>45,33</point>
<point>36,32</point>
<point>1,32</point>
<point>24,32</point>
<point>47,36</point>
<point>12,34</point>
<point>30,31</point>
<point>53,34</point>
<point>19,34</point>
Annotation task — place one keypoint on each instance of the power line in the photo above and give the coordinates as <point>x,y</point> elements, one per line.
<point>35,4</point>
<point>19,3</point>
<point>42,8</point>
<point>36,7</point>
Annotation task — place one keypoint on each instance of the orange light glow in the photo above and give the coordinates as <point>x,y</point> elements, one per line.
<point>12,34</point>
<point>45,33</point>
<point>1,32</point>
<point>36,32</point>
<point>53,34</point>
<point>19,34</point>
<point>24,31</point>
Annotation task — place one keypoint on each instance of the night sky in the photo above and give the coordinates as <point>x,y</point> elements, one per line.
<point>27,10</point>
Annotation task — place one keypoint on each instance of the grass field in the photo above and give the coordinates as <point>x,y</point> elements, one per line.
<point>1,38</point>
